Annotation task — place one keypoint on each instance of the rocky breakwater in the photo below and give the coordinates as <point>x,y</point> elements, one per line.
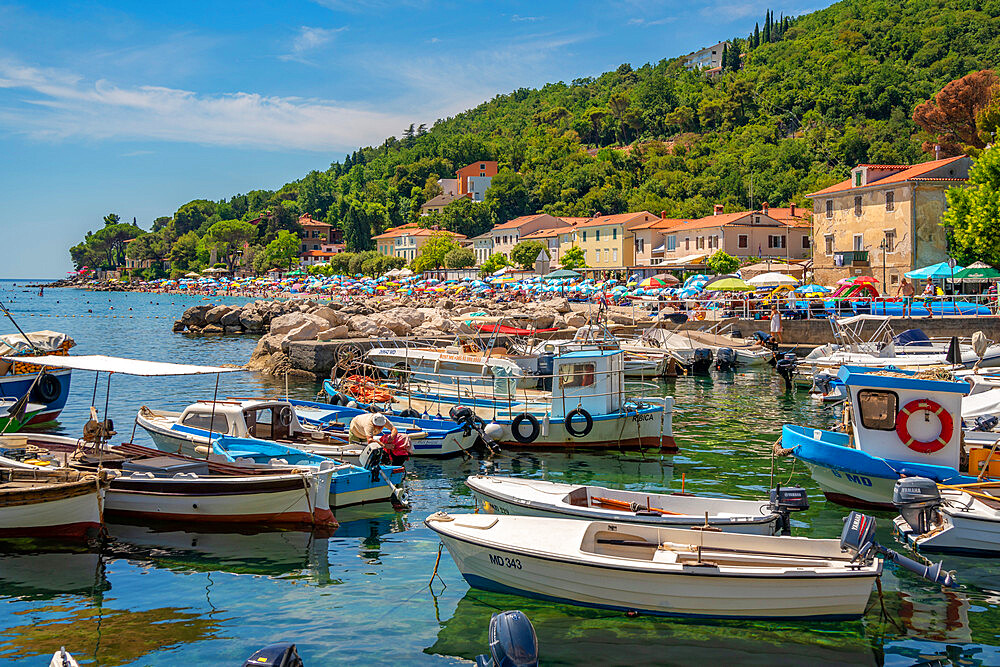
<point>309,339</point>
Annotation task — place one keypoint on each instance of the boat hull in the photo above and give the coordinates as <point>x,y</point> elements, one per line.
<point>974,533</point>
<point>15,386</point>
<point>684,593</point>
<point>72,512</point>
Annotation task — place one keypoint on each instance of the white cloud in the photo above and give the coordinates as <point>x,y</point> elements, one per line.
<point>309,39</point>
<point>530,19</point>
<point>362,6</point>
<point>59,105</point>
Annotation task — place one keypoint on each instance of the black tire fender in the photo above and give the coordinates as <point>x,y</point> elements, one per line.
<point>587,427</point>
<point>47,389</point>
<point>410,413</point>
<point>515,428</point>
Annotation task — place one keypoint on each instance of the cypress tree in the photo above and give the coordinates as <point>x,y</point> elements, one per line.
<point>756,35</point>
<point>725,57</point>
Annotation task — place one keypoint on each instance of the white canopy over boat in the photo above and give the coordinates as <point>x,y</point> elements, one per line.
<point>105,364</point>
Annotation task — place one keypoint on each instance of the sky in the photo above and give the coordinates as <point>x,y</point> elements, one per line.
<point>139,107</point>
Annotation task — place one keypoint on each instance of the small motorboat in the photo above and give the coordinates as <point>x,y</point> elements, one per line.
<point>50,503</point>
<point>671,571</point>
<point>513,642</point>
<point>532,497</point>
<point>63,659</point>
<point>960,519</point>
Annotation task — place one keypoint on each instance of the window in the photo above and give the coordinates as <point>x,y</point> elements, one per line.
<point>857,180</point>
<point>890,201</point>
<point>640,246</point>
<point>671,243</point>
<point>576,375</point>
<point>890,240</point>
<point>756,220</point>
<point>805,242</point>
<point>482,166</point>
<point>687,243</point>
<point>585,236</point>
<point>743,241</point>
<point>614,255</point>
<point>857,205</point>
<point>597,256</point>
<point>775,241</point>
<point>614,233</point>
<point>204,421</point>
<point>859,242</point>
<point>597,235</point>
<point>878,409</point>
<point>829,243</point>
<point>829,208</point>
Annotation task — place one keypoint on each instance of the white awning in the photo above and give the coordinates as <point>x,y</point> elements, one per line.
<point>689,259</point>
<point>104,364</point>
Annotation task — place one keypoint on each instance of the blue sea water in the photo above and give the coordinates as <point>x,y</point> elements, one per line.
<point>163,595</point>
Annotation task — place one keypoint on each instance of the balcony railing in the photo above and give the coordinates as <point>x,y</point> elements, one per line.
<point>852,257</point>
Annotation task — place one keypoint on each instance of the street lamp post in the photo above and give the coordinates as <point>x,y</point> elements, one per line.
<point>884,245</point>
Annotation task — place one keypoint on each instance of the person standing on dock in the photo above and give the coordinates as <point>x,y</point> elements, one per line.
<point>776,323</point>
<point>906,290</point>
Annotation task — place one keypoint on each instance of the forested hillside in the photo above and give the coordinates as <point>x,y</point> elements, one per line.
<point>814,96</point>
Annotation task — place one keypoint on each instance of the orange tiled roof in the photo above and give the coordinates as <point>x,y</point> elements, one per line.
<point>905,173</point>
<point>780,215</point>
<point>659,223</point>
<point>410,229</point>
<point>517,222</point>
<point>307,220</point>
<point>548,233</point>
<point>317,253</point>
<point>618,219</point>
<point>570,220</point>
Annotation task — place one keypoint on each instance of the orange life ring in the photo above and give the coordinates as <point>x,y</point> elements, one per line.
<point>930,446</point>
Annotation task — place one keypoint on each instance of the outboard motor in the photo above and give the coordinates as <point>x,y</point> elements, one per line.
<point>512,642</point>
<point>467,418</point>
<point>786,500</point>
<point>858,538</point>
<point>787,367</point>
<point>822,383</point>
<point>275,655</point>
<point>725,359</point>
<point>985,423</point>
<point>702,360</point>
<point>918,501</point>
<point>546,367</point>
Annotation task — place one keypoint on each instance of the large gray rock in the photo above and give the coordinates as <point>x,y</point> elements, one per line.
<point>285,323</point>
<point>230,320</point>
<point>362,325</point>
<point>214,316</point>
<point>334,333</point>
<point>543,321</point>
<point>576,320</point>
<point>391,322</point>
<point>559,305</point>
<point>313,356</point>
<point>333,317</point>
<point>195,315</point>
<point>252,320</point>
<point>308,330</point>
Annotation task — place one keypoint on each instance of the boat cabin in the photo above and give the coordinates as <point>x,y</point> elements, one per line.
<point>899,415</point>
<point>263,419</point>
<point>590,379</point>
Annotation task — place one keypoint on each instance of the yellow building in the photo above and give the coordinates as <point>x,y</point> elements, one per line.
<point>607,241</point>
<point>884,221</point>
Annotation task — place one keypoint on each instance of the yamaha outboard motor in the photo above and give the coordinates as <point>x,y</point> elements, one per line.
<point>725,359</point>
<point>787,367</point>
<point>546,368</point>
<point>702,360</point>
<point>786,500</point>
<point>275,655</point>
<point>512,642</point>
<point>918,501</point>
<point>858,538</point>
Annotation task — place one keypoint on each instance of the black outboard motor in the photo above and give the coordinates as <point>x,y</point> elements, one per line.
<point>787,366</point>
<point>512,642</point>
<point>858,537</point>
<point>275,655</point>
<point>918,502</point>
<point>821,383</point>
<point>786,500</point>
<point>546,367</point>
<point>985,423</point>
<point>725,359</point>
<point>702,360</point>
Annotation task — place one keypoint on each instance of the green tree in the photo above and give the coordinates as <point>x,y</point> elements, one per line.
<point>973,212</point>
<point>720,262</point>
<point>433,252</point>
<point>193,215</point>
<point>460,258</point>
<point>280,253</point>
<point>525,253</point>
<point>493,263</point>
<point>574,258</point>
<point>507,196</point>
<point>111,241</point>
<point>230,238</point>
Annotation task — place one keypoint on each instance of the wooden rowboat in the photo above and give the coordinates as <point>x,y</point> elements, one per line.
<point>50,503</point>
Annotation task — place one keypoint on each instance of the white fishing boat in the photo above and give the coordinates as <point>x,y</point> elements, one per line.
<point>748,351</point>
<point>948,519</point>
<point>587,407</point>
<point>50,503</point>
<point>145,483</point>
<point>312,427</point>
<point>533,497</point>
<point>454,364</point>
<point>654,570</point>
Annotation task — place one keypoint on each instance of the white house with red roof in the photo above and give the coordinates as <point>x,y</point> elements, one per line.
<point>884,221</point>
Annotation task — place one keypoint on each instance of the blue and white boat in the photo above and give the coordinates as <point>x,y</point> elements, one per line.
<point>18,376</point>
<point>899,424</point>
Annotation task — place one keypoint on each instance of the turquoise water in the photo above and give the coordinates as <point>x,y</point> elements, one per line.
<point>160,595</point>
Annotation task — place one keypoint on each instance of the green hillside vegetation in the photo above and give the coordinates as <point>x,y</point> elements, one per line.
<point>815,95</point>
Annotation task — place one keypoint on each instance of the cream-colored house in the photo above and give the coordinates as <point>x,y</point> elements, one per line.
<point>607,241</point>
<point>508,234</point>
<point>406,240</point>
<point>884,221</point>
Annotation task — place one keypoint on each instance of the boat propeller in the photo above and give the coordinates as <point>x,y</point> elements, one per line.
<point>858,537</point>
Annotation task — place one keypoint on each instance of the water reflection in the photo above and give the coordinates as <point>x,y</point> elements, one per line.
<point>43,571</point>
